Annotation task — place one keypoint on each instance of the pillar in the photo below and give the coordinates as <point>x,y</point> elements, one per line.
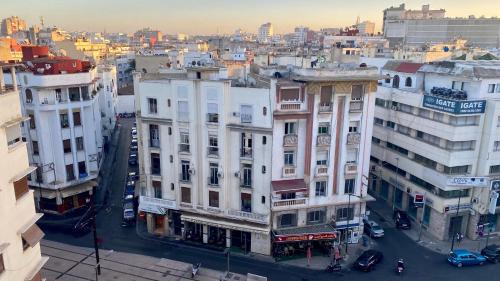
<point>228,238</point>
<point>205,233</point>
<point>150,222</point>
<point>2,82</point>
<point>14,79</point>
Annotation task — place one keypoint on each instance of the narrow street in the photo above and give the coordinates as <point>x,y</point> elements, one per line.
<point>422,264</point>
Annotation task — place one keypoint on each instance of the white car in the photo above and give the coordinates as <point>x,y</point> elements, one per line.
<point>373,229</point>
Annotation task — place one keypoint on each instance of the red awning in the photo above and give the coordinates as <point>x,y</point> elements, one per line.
<point>289,186</point>
<point>408,67</point>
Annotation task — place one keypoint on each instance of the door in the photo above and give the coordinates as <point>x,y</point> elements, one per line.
<point>455,226</point>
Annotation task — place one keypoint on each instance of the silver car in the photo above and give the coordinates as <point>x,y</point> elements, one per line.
<point>373,229</point>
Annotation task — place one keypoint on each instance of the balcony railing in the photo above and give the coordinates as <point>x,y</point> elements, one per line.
<point>324,140</point>
<point>325,107</point>
<point>321,170</point>
<point>290,140</point>
<point>246,183</point>
<point>289,171</point>
<point>247,215</point>
<point>246,152</point>
<point>356,106</point>
<point>289,202</point>
<point>213,181</point>
<point>184,147</point>
<point>353,138</point>
<point>213,118</point>
<point>186,205</point>
<point>154,143</point>
<point>213,150</point>
<point>185,177</point>
<point>290,106</point>
<point>246,118</point>
<point>351,168</point>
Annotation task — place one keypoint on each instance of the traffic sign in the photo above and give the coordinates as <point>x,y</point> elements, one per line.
<point>418,200</point>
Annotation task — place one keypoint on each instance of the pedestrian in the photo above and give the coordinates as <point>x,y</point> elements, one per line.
<point>458,238</point>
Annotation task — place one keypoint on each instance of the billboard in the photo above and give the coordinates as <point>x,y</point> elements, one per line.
<point>454,106</point>
<point>468,181</point>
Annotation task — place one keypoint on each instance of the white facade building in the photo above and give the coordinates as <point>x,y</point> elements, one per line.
<point>108,99</point>
<point>366,28</point>
<point>20,257</point>
<point>265,33</point>
<point>437,134</point>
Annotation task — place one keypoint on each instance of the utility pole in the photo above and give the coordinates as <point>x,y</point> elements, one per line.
<point>422,219</point>
<point>347,226</point>
<point>456,215</point>
<point>94,229</point>
<point>395,185</point>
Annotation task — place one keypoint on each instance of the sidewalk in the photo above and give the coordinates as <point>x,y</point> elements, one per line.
<point>381,209</point>
<point>78,264</point>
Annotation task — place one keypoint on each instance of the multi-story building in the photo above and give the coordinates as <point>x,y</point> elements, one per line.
<point>20,256</point>
<point>366,28</point>
<point>68,127</point>
<point>426,26</point>
<point>125,65</point>
<point>437,135</point>
<point>13,25</point>
<point>205,158</point>
<point>265,33</point>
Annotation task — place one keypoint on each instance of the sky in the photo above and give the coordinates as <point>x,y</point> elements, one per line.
<point>220,16</point>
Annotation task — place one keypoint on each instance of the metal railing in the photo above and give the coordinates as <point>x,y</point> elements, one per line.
<point>290,140</point>
<point>184,147</point>
<point>356,106</point>
<point>246,152</point>
<point>323,139</point>
<point>213,150</point>
<point>325,107</point>
<point>289,202</point>
<point>291,106</point>
<point>289,171</point>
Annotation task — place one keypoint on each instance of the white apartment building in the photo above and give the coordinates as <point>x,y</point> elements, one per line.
<point>124,68</point>
<point>265,33</point>
<point>205,158</point>
<point>321,148</point>
<point>20,256</point>
<point>437,134</point>
<point>70,105</point>
<point>366,28</point>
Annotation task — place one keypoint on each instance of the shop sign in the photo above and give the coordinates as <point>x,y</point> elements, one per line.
<point>305,237</point>
<point>155,205</point>
<point>468,181</point>
<point>463,207</point>
<point>454,106</point>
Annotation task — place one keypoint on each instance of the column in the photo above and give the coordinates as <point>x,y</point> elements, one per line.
<point>228,238</point>
<point>14,79</point>
<point>205,233</point>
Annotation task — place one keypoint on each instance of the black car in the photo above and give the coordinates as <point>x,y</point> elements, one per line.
<point>368,260</point>
<point>492,253</point>
<point>401,220</point>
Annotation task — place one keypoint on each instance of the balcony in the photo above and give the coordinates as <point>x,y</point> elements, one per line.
<point>186,205</point>
<point>246,152</point>
<point>245,118</point>
<point>289,171</point>
<point>213,118</point>
<point>291,106</point>
<point>325,107</point>
<point>156,171</point>
<point>184,147</point>
<point>213,181</point>
<point>351,168</point>
<point>185,177</point>
<point>247,215</point>
<point>289,203</point>
<point>356,106</point>
<point>154,143</point>
<point>324,140</point>
<point>290,140</point>
<point>213,151</point>
<point>321,170</point>
<point>246,183</point>
<point>353,138</point>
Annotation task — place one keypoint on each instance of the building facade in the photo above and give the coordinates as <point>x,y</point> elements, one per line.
<point>436,134</point>
<point>20,256</point>
<point>13,25</point>
<point>265,33</point>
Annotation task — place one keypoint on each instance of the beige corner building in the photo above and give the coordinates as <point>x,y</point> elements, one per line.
<point>20,256</point>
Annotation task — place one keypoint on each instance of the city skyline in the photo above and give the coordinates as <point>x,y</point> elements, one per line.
<point>223,18</point>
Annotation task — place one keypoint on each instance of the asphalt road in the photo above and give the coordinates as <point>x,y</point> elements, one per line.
<point>421,263</point>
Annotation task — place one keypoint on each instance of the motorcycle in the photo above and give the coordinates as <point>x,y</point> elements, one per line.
<point>400,268</point>
<point>194,269</point>
<point>333,267</point>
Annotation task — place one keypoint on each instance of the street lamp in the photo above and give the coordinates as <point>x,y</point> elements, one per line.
<point>348,219</point>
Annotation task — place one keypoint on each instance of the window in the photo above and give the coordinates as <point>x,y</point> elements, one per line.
<point>464,120</point>
<point>438,116</point>
<point>491,88</point>
<point>154,135</point>
<point>64,120</point>
<point>213,145</point>
<point>155,164</point>
<point>156,189</point>
<point>212,113</point>
<point>185,175</point>
<point>77,121</point>
<point>315,217</point>
<point>322,158</point>
<point>345,213</point>
<point>326,96</point>
<point>425,161</point>
<point>13,134</point>
<point>82,170</point>
<point>185,194</point>
<point>286,196</point>
<point>353,126</point>
<point>74,94</point>
<point>263,199</point>
<point>349,185</point>
<point>246,145</point>
<point>213,199</point>
<point>34,144</point>
<point>263,169</point>
<point>378,121</point>
<point>287,220</point>
<point>388,79</point>
<point>79,143</point>
<point>32,121</point>
<point>404,130</point>
<point>424,113</point>
<point>408,82</point>
<point>357,92</point>
<point>184,142</point>
<point>495,169</point>
<point>289,158</point>
<point>152,106</point>
<point>497,89</point>
<point>29,96</point>
<point>290,94</point>
<point>428,138</point>
<point>246,202</point>
<point>214,177</point>
<point>264,140</point>
<point>183,111</point>
<point>2,266</point>
<point>375,140</point>
<point>461,145</point>
<point>390,124</point>
<point>70,173</point>
<point>168,103</point>
<point>290,128</point>
<point>496,146</point>
<point>457,170</point>
<point>324,128</point>
<point>67,146</point>
<point>247,175</point>
<point>395,81</point>
<point>406,108</point>
<point>320,188</point>
<point>380,102</point>
<point>21,187</point>
<point>246,112</point>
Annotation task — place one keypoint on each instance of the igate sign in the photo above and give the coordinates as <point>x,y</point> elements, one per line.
<point>454,106</point>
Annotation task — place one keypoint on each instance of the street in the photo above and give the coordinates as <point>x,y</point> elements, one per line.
<point>421,263</point>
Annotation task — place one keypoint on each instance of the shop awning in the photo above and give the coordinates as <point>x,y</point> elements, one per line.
<point>295,185</point>
<point>223,224</point>
<point>307,233</point>
<point>77,189</point>
<point>156,205</point>
<point>33,235</point>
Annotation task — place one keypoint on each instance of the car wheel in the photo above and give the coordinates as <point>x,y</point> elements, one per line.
<point>481,263</point>
<point>459,264</point>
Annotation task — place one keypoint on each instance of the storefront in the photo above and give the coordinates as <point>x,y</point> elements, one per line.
<point>296,241</point>
<point>64,200</point>
<point>158,215</point>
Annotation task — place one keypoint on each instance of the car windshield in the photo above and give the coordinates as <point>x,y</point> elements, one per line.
<point>402,215</point>
<point>376,227</point>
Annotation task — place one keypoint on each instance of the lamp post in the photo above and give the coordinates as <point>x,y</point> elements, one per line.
<point>348,220</point>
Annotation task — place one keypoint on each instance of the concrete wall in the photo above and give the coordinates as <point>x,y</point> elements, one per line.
<point>125,104</point>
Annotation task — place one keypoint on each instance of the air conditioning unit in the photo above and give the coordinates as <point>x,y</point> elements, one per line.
<point>394,107</point>
<point>475,200</point>
<point>236,114</point>
<point>220,174</point>
<point>191,171</point>
<point>237,174</point>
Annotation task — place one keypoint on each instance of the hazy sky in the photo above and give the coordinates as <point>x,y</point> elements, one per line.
<point>225,16</point>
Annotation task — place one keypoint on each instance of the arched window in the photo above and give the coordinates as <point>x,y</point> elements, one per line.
<point>29,96</point>
<point>264,111</point>
<point>388,79</point>
<point>395,81</point>
<point>408,82</point>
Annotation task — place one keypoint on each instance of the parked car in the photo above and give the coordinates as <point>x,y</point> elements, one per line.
<point>401,219</point>
<point>134,132</point>
<point>461,257</point>
<point>133,142</point>
<point>491,253</point>
<point>129,188</point>
<point>132,176</point>
<point>128,212</point>
<point>372,229</point>
<point>132,159</point>
<point>368,260</point>
<point>133,148</point>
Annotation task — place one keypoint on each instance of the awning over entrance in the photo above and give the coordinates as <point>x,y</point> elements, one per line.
<point>156,205</point>
<point>77,189</point>
<point>223,224</point>
<point>283,186</point>
<point>307,233</point>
